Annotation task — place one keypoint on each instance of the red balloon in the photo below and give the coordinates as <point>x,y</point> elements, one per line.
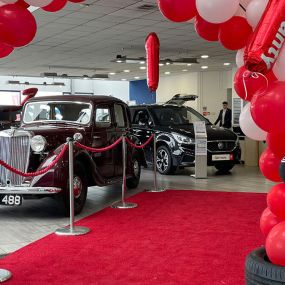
<point>253,82</point>
<point>152,46</point>
<point>267,39</point>
<point>55,5</point>
<point>269,165</point>
<point>18,26</point>
<point>5,50</point>
<point>267,108</point>
<point>206,30</point>
<point>275,142</point>
<point>235,33</point>
<point>276,200</point>
<point>275,245</point>
<point>178,11</point>
<point>267,221</point>
<point>22,4</point>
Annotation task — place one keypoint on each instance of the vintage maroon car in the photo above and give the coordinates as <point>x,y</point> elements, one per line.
<point>46,124</point>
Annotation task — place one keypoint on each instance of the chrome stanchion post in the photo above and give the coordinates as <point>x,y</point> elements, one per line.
<point>155,184</point>
<point>122,204</point>
<point>72,230</point>
<point>5,275</point>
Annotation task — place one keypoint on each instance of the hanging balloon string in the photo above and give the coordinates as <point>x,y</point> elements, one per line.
<point>254,75</point>
<point>242,7</point>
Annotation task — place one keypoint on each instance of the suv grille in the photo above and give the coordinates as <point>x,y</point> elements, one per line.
<point>14,150</point>
<point>221,146</point>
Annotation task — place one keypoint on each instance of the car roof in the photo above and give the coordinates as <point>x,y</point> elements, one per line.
<point>96,99</point>
<point>156,106</point>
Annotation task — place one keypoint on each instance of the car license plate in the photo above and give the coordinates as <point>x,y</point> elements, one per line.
<point>221,157</point>
<point>10,200</point>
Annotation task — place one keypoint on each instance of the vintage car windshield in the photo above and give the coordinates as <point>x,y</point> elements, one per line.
<point>57,111</point>
<point>176,115</point>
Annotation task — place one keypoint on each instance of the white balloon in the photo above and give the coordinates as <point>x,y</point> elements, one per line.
<point>217,11</point>
<point>279,66</point>
<point>254,11</point>
<point>239,57</point>
<point>38,3</point>
<point>9,1</point>
<point>249,127</point>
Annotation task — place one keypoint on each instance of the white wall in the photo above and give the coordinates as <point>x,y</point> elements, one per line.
<point>118,89</point>
<point>210,86</point>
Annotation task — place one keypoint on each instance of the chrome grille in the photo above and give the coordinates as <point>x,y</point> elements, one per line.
<point>14,150</point>
<point>221,146</point>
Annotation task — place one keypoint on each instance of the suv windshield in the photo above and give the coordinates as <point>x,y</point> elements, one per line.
<point>57,111</point>
<point>170,115</point>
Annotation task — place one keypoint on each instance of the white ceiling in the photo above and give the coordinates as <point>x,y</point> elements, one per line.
<point>80,39</point>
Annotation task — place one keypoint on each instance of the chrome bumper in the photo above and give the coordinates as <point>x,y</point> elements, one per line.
<point>23,190</point>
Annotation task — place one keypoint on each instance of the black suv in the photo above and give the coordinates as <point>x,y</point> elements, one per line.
<point>173,124</point>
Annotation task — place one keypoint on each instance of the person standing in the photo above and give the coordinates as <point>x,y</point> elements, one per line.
<point>225,117</point>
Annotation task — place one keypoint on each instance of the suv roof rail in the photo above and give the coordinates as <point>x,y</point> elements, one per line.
<point>181,99</point>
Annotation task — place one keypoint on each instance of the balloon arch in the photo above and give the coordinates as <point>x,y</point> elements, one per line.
<point>256,30</point>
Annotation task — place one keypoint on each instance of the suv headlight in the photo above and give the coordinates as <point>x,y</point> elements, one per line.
<point>183,139</point>
<point>38,143</point>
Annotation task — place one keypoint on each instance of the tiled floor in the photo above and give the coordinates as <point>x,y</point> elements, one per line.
<point>36,218</point>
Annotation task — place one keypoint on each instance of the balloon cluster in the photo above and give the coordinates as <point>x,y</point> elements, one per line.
<point>256,30</point>
<point>18,26</point>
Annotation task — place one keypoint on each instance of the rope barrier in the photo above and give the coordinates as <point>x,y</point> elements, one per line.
<point>98,149</point>
<point>142,145</point>
<point>37,173</point>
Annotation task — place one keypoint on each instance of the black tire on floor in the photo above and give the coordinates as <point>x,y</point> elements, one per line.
<point>134,181</point>
<point>225,167</point>
<point>80,181</point>
<point>259,271</point>
<point>164,163</point>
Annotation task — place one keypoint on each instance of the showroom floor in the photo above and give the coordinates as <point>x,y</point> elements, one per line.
<point>37,218</point>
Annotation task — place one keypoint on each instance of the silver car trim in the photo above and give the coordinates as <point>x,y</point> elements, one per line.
<point>29,190</point>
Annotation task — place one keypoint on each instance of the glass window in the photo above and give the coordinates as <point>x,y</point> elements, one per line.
<point>57,112</point>
<point>103,118</point>
<point>119,115</point>
<point>141,117</point>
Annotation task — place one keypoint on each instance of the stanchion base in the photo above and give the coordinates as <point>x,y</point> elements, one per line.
<point>155,190</point>
<point>77,231</point>
<point>5,275</point>
<point>124,205</point>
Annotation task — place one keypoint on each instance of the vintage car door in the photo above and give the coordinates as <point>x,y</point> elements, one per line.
<point>104,135</point>
<point>142,128</point>
<point>122,124</point>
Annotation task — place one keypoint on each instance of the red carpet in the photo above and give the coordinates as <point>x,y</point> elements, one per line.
<point>175,237</point>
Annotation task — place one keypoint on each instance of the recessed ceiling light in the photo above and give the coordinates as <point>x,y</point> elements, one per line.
<point>166,72</point>
<point>126,70</point>
<point>184,70</point>
<point>119,61</point>
<point>204,67</point>
<point>137,77</point>
<point>112,73</point>
<point>124,79</point>
<point>161,64</point>
<point>142,67</point>
<point>142,62</point>
<point>167,63</point>
<point>204,56</point>
<point>227,64</point>
<point>189,64</point>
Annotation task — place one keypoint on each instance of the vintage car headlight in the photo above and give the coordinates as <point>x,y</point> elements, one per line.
<point>38,143</point>
<point>183,139</point>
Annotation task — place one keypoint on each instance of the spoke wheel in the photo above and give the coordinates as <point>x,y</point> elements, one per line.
<point>163,160</point>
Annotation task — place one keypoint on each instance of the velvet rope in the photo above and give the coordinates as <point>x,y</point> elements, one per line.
<point>98,149</point>
<point>142,145</point>
<point>37,173</point>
